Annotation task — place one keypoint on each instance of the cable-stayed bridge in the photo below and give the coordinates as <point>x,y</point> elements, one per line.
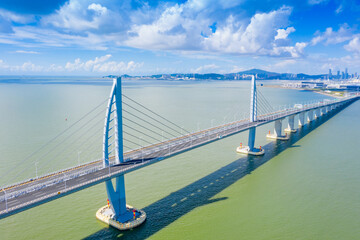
<point>134,136</point>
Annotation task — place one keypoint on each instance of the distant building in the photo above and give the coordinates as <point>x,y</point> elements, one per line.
<point>346,73</point>
<point>306,84</point>
<point>338,74</point>
<point>330,74</point>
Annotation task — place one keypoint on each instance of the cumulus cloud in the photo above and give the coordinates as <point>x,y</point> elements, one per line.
<point>88,65</point>
<point>353,45</point>
<point>178,27</point>
<point>258,37</point>
<point>284,33</point>
<point>100,10</point>
<point>97,65</point>
<point>101,64</point>
<point>72,16</point>
<point>330,36</point>
<point>203,26</point>
<point>25,67</point>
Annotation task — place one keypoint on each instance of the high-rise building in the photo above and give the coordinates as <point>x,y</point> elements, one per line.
<point>338,74</point>
<point>330,74</point>
<point>346,73</point>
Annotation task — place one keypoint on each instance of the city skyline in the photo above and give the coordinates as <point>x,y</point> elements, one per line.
<point>80,37</point>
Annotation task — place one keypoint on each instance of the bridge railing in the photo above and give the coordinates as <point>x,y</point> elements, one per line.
<point>170,145</point>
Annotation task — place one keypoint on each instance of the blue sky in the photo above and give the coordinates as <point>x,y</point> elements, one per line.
<point>100,37</point>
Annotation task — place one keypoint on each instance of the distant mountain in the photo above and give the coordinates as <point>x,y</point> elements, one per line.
<point>259,73</point>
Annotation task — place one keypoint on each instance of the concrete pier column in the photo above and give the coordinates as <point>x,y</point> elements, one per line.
<point>301,119</point>
<point>310,115</point>
<point>278,127</point>
<point>251,141</point>
<point>277,131</point>
<point>317,113</point>
<point>291,123</point>
<point>117,199</point>
<point>323,111</point>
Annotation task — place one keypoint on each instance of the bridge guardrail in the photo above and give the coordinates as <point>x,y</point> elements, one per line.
<point>211,133</point>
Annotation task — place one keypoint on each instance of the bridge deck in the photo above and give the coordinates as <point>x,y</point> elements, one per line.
<point>32,193</point>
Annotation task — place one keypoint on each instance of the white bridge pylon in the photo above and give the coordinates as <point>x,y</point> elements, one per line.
<point>250,149</point>
<point>117,198</point>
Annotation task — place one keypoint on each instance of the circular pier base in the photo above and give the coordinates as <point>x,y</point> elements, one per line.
<point>246,150</point>
<point>106,215</point>
<point>288,130</point>
<point>276,137</point>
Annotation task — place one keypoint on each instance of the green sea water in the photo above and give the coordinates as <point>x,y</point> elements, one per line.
<point>307,188</point>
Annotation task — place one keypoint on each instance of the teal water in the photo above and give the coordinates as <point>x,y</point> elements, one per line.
<point>305,189</point>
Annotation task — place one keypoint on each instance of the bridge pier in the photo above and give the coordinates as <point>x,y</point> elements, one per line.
<point>317,113</point>
<point>277,132</point>
<point>117,199</point>
<point>310,115</point>
<point>323,111</point>
<point>291,124</point>
<point>250,149</point>
<point>301,119</point>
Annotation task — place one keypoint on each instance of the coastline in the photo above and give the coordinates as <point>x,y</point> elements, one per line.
<point>331,94</point>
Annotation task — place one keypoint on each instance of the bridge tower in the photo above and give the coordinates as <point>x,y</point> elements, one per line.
<point>117,210</point>
<point>251,150</point>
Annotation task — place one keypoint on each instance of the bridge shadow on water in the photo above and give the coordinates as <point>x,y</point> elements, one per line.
<point>167,210</point>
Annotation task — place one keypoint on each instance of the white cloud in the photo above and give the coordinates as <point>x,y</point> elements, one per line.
<point>285,63</point>
<point>97,8</point>
<point>330,36</point>
<point>75,16</point>
<point>174,27</point>
<point>284,33</point>
<point>25,67</point>
<point>236,69</point>
<point>13,17</point>
<point>26,52</point>
<point>97,65</point>
<point>101,64</point>
<point>88,65</point>
<point>315,2</point>
<point>258,37</point>
<point>205,68</point>
<point>353,45</point>
<point>292,51</point>
<point>339,9</point>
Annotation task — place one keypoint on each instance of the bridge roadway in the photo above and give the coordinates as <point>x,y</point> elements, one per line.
<point>34,192</point>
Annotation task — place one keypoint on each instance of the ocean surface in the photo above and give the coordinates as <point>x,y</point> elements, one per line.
<point>305,188</point>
